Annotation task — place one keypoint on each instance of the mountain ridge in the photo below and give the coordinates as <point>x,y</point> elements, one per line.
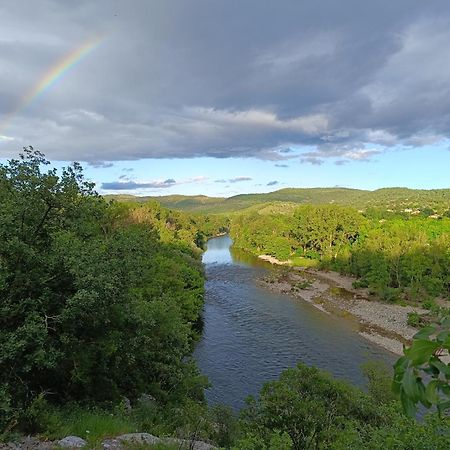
<point>396,198</point>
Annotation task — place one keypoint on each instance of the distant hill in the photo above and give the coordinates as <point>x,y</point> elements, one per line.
<point>397,199</point>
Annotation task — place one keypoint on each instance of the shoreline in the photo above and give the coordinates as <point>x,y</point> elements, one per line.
<point>382,323</point>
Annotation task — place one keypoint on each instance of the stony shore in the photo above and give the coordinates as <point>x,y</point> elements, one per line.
<point>382,323</point>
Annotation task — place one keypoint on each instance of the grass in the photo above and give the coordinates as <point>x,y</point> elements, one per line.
<point>300,261</point>
<point>96,424</point>
<point>91,425</point>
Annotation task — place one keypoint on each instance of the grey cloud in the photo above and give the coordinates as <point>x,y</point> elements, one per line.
<point>272,183</point>
<point>125,183</point>
<point>100,164</point>
<point>239,179</point>
<point>133,185</point>
<point>315,161</point>
<point>233,180</point>
<point>344,153</point>
<point>282,165</point>
<point>171,80</point>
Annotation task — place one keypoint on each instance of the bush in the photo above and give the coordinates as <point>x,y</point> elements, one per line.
<point>379,377</point>
<point>414,319</point>
<point>309,406</point>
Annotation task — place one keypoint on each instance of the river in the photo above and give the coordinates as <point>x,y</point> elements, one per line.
<point>251,334</point>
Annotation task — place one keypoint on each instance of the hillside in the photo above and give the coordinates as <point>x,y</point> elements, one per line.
<point>397,199</point>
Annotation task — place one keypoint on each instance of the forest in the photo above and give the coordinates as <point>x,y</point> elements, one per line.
<point>101,306</point>
<point>399,257</point>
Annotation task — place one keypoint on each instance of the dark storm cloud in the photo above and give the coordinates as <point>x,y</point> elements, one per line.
<point>266,80</point>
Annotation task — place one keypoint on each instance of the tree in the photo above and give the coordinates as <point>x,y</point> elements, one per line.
<point>326,230</point>
<point>91,309</point>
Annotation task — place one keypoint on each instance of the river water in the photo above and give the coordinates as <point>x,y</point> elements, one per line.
<point>251,334</point>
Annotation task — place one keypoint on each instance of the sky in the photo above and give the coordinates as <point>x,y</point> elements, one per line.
<point>220,97</point>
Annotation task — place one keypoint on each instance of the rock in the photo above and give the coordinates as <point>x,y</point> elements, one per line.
<point>112,444</point>
<point>186,444</point>
<point>146,398</point>
<point>127,405</point>
<point>119,443</point>
<point>139,438</point>
<point>72,442</point>
<point>28,443</point>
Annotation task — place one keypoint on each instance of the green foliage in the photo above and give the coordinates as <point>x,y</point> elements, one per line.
<point>421,375</point>
<point>414,319</point>
<point>307,409</point>
<point>185,230</point>
<point>224,426</point>
<point>398,259</point>
<point>94,305</point>
<point>326,230</point>
<point>379,377</point>
<point>263,234</point>
<point>309,406</point>
<point>397,433</point>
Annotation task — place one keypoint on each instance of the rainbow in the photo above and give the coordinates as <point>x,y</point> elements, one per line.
<point>55,73</point>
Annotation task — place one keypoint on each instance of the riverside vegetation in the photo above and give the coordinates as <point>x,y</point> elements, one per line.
<point>100,305</point>
<point>398,256</point>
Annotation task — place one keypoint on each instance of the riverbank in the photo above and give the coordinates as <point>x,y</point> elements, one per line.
<point>382,323</point>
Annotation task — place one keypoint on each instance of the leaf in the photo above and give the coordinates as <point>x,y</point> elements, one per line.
<point>422,394</point>
<point>421,350</point>
<point>446,343</point>
<point>439,365</point>
<point>401,364</point>
<point>408,405</point>
<point>443,336</point>
<point>443,406</point>
<point>410,385</point>
<point>425,332</point>
<point>431,393</point>
<point>445,389</point>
